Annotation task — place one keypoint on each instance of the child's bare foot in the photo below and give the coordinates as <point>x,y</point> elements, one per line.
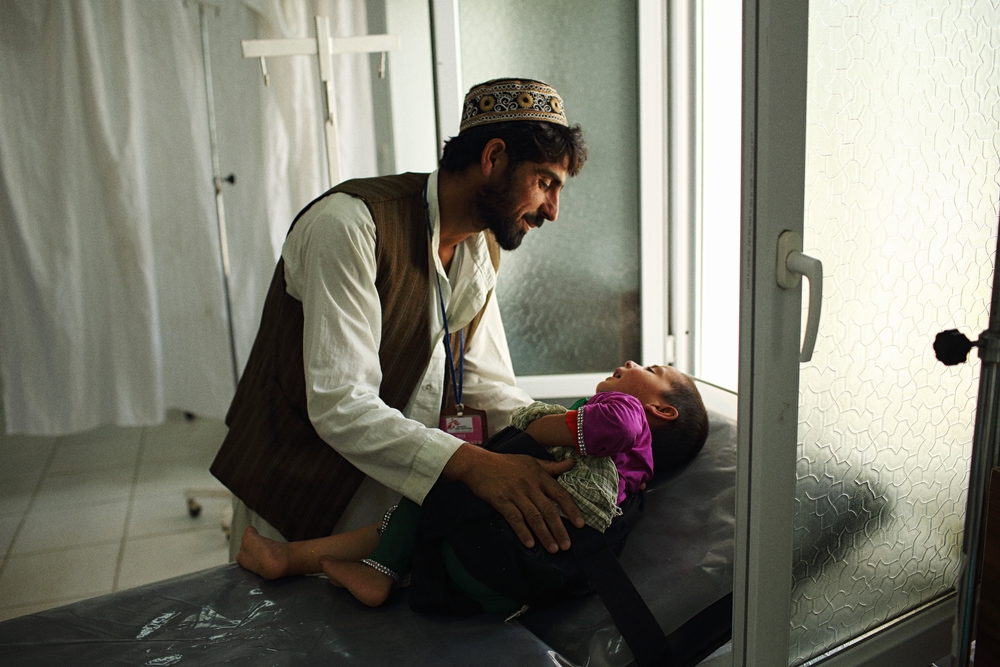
<point>264,556</point>
<point>365,583</point>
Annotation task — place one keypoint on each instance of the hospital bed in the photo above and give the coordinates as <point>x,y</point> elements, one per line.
<point>679,557</point>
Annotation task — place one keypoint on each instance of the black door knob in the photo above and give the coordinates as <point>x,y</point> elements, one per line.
<point>952,347</point>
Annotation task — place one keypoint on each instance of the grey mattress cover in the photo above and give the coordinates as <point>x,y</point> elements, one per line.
<point>679,557</point>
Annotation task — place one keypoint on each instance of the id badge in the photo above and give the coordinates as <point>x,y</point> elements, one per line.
<point>465,424</point>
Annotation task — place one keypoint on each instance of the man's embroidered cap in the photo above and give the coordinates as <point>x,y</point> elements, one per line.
<point>502,100</point>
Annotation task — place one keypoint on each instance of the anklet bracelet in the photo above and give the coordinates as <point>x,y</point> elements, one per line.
<point>381,568</point>
<point>385,520</point>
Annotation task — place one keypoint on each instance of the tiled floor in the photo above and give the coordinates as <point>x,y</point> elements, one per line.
<point>105,510</point>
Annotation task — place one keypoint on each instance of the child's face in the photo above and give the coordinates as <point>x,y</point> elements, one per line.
<point>645,383</point>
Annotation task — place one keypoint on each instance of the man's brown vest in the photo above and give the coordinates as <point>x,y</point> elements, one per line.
<point>272,458</point>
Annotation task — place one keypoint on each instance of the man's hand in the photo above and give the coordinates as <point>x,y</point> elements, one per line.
<point>522,488</point>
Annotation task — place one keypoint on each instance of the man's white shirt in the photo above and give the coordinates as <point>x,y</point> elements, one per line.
<point>330,267</point>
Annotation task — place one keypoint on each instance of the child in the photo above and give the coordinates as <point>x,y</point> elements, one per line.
<point>638,418</point>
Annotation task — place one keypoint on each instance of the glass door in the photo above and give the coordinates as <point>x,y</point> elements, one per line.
<point>871,129</point>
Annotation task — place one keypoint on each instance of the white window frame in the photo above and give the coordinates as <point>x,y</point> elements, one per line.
<point>651,27</point>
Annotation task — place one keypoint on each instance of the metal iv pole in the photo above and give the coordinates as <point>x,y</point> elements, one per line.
<point>953,348</point>
<point>217,180</point>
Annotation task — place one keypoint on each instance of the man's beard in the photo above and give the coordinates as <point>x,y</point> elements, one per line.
<point>497,207</point>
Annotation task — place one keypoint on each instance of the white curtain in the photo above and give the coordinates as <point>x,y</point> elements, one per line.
<point>112,308</point>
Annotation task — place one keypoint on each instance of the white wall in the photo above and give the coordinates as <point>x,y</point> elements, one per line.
<point>411,81</point>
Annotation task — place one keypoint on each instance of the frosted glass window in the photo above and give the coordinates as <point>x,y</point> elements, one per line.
<point>901,206</point>
<point>570,294</point>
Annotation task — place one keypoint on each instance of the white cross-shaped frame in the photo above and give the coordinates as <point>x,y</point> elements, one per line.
<point>324,46</point>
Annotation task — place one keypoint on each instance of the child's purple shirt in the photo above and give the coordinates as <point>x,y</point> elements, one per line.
<point>614,424</point>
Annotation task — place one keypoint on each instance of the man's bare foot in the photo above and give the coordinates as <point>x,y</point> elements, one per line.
<point>365,583</point>
<point>264,556</point>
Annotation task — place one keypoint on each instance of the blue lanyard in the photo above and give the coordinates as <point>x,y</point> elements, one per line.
<point>457,376</point>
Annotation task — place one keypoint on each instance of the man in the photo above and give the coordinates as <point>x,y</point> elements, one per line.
<point>381,305</point>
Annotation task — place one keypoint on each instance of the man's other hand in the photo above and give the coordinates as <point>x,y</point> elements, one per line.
<point>523,489</point>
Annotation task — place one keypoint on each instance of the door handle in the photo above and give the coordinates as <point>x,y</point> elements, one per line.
<point>791,266</point>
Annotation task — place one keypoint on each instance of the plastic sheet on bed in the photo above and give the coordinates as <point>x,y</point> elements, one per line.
<point>679,557</point>
<point>227,615</point>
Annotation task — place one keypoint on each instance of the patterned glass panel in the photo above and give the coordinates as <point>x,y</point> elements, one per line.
<point>570,295</point>
<point>901,206</point>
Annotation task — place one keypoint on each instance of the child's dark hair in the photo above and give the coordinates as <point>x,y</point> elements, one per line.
<point>525,141</point>
<point>680,440</point>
